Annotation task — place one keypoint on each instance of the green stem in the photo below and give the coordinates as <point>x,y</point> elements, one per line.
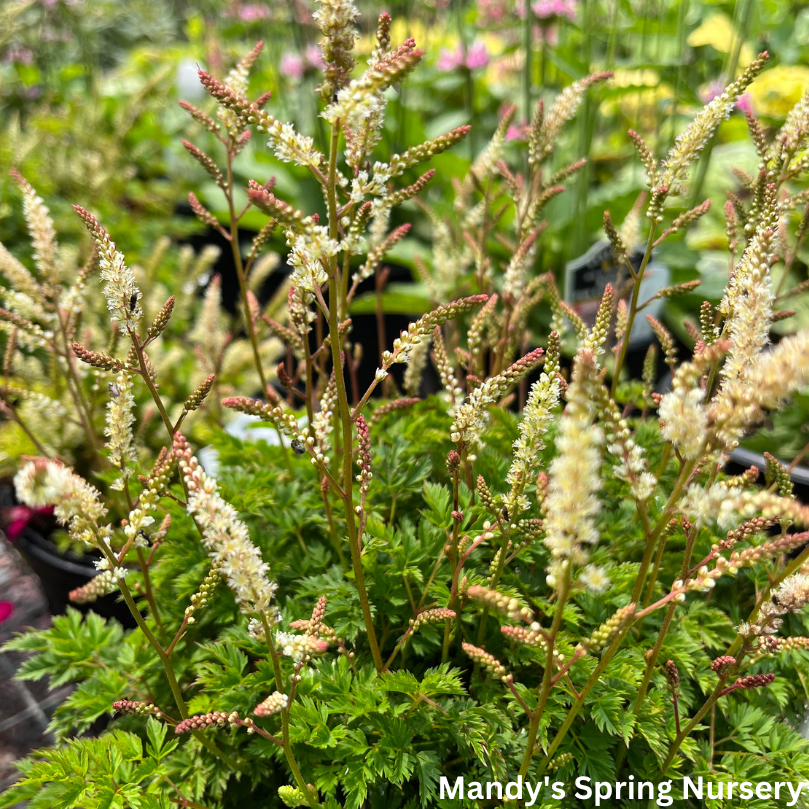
<point>633,309</point>
<point>343,407</point>
<point>547,679</point>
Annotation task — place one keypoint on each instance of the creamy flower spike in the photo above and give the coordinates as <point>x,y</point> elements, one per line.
<point>226,537</point>
<point>77,504</point>
<point>120,418</point>
<point>537,417</point>
<point>123,295</point>
<point>571,502</point>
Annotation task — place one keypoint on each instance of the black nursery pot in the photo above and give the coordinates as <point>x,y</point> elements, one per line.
<point>61,572</point>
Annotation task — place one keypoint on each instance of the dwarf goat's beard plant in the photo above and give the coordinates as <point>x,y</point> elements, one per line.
<point>460,589</point>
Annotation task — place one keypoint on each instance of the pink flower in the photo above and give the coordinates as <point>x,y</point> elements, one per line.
<point>291,65</point>
<point>550,9</point>
<point>518,131</point>
<point>476,57</point>
<point>18,517</point>
<point>715,89</point>
<point>314,57</point>
<point>490,12</point>
<point>251,13</point>
<point>6,610</point>
<point>448,61</point>
<point>745,103</point>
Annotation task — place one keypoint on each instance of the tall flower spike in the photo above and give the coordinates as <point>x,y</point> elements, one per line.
<point>563,109</point>
<point>748,301</point>
<point>537,417</point>
<point>572,503</point>
<point>360,100</point>
<point>226,538</point>
<point>690,143</point>
<point>123,295</point>
<point>336,19</point>
<point>471,417</point>
<point>120,417</point>
<point>40,226</point>
<point>422,329</point>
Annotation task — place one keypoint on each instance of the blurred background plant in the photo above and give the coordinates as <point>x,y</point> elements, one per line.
<point>88,111</point>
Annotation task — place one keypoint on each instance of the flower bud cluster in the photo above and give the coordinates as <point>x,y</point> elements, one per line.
<point>490,663</point>
<point>416,332</point>
<point>363,459</point>
<point>747,683</point>
<point>722,663</point>
<point>98,359</point>
<point>101,585</point>
<point>274,704</point>
<point>428,617</point>
<point>672,676</point>
<point>292,796</point>
<point>384,172</point>
<point>195,400</point>
<point>608,631</point>
<point>136,707</point>
<point>499,601</point>
<point>214,719</point>
<point>527,636</point>
<point>201,597</point>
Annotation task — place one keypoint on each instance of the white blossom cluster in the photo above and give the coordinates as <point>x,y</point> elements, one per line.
<point>572,503</point>
<point>121,291</point>
<point>120,418</point>
<point>537,417</point>
<point>301,648</point>
<point>226,537</point>
<point>683,413</point>
<point>77,504</point>
<point>308,252</point>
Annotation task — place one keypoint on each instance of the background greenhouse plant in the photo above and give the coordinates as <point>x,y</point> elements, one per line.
<point>542,569</point>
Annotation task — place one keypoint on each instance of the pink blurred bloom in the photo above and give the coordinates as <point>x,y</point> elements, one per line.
<point>476,57</point>
<point>291,65</point>
<point>19,55</point>
<point>716,87</point>
<point>518,131</point>
<point>491,12</point>
<point>18,517</point>
<point>6,610</point>
<point>745,103</point>
<point>251,13</point>
<point>550,9</point>
<point>314,56</point>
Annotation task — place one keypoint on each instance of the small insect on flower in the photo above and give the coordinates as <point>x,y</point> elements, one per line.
<point>113,389</point>
<point>298,447</point>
